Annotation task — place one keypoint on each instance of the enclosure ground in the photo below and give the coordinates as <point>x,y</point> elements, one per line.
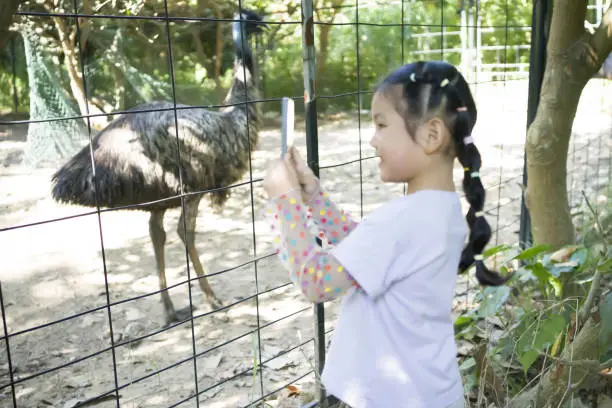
<point>55,270</point>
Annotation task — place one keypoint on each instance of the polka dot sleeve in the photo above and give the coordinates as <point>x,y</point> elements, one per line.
<point>335,224</point>
<point>315,271</point>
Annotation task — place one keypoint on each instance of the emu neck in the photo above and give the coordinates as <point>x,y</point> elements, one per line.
<point>243,82</point>
<point>241,90</point>
<point>243,86</point>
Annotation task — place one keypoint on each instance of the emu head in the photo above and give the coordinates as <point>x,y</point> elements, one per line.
<point>253,25</point>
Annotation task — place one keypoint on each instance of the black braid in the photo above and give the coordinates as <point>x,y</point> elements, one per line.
<point>469,157</point>
<point>428,86</point>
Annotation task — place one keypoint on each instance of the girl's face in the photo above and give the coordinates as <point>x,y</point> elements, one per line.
<point>401,158</point>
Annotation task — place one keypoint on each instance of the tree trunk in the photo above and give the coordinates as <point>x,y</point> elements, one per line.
<point>573,57</point>
<point>8,8</point>
<point>547,146</point>
<point>72,64</point>
<point>85,25</point>
<point>219,56</point>
<point>324,30</point>
<point>68,44</point>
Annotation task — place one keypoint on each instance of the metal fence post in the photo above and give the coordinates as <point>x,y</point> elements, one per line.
<point>312,147</point>
<point>537,64</point>
<point>8,351</point>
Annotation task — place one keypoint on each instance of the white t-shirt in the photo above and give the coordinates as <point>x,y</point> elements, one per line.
<point>394,345</point>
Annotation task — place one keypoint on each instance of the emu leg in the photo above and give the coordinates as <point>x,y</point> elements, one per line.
<point>158,237</point>
<point>189,215</point>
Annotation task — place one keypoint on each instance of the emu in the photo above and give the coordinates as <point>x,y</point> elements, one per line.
<point>146,157</point>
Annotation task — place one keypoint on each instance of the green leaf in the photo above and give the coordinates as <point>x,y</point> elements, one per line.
<point>463,320</point>
<point>606,266</point>
<point>464,326</point>
<point>580,256</point>
<point>558,269</point>
<point>550,328</point>
<point>605,334</point>
<point>524,329</point>
<point>470,381</point>
<point>546,278</point>
<point>557,344</point>
<point>557,286</point>
<point>467,364</point>
<point>538,336</point>
<point>533,251</point>
<point>528,358</point>
<point>524,274</point>
<point>540,272</point>
<point>493,299</point>
<point>496,249</point>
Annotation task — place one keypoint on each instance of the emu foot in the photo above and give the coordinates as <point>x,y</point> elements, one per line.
<point>178,315</point>
<point>214,302</point>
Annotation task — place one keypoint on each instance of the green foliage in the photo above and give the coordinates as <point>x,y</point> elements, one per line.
<point>538,335</point>
<point>13,77</point>
<point>134,67</point>
<point>533,320</point>
<point>605,336</point>
<point>534,317</point>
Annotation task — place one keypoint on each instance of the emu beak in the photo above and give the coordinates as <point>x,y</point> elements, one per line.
<point>262,27</point>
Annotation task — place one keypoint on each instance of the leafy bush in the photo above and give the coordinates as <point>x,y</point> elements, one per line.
<point>532,326</point>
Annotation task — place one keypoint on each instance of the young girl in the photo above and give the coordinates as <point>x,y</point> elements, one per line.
<point>394,345</point>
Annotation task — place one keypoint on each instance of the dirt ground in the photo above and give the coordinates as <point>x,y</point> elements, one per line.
<point>55,270</point>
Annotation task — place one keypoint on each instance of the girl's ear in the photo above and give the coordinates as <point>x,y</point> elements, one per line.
<point>432,136</point>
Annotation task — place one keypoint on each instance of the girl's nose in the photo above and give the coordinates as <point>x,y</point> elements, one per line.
<point>373,141</point>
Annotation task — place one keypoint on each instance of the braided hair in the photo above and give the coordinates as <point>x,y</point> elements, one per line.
<point>422,90</point>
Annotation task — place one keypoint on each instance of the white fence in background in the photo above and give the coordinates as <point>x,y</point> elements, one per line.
<point>471,50</point>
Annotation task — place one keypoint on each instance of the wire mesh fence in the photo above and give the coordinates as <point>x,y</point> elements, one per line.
<point>80,287</point>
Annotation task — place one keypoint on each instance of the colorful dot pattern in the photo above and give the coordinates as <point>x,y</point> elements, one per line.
<point>316,272</point>
<point>334,223</point>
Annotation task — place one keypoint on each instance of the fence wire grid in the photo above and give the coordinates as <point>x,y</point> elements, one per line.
<point>82,319</point>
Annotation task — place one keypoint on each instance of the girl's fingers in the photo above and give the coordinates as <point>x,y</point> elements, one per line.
<point>299,162</point>
<point>289,162</point>
<point>290,155</point>
<point>296,158</point>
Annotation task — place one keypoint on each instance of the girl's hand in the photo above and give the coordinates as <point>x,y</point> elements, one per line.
<point>308,181</point>
<point>280,177</point>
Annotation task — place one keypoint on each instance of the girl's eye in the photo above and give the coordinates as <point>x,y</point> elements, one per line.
<point>380,125</point>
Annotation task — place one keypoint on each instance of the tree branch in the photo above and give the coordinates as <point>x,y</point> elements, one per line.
<point>590,365</point>
<point>85,25</point>
<point>601,40</point>
<point>567,25</point>
<point>595,285</point>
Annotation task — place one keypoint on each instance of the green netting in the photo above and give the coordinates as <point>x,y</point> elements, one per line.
<point>49,140</point>
<point>137,81</point>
